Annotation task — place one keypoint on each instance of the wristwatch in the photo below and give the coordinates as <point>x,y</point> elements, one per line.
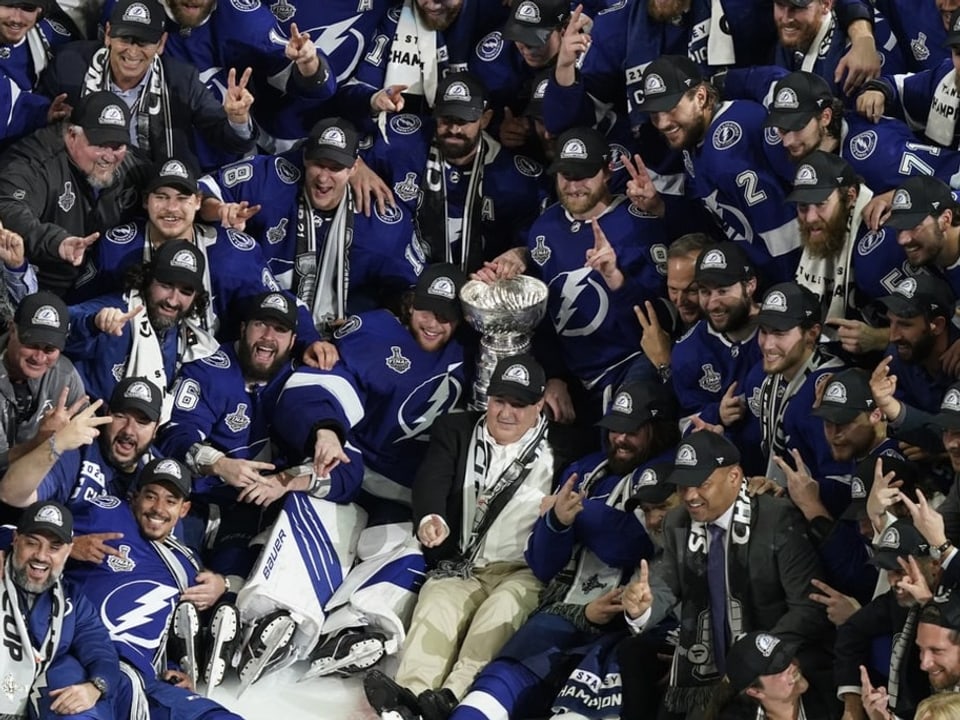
<point>938,552</point>
<point>100,684</point>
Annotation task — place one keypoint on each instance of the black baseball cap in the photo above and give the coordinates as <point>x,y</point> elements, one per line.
<point>42,4</point>
<point>722,265</point>
<point>797,98</point>
<point>179,261</point>
<point>334,139</point>
<point>637,403</point>
<point>650,486</point>
<point>921,295</point>
<point>104,117</point>
<point>582,152</point>
<point>862,481</point>
<point>699,455</point>
<point>462,96</point>
<point>140,19</point>
<point>943,611</point>
<point>137,393</point>
<point>438,290</point>
<point>899,540</point>
<point>176,174</point>
<point>819,175</point>
<point>275,306</point>
<point>846,396</point>
<point>47,517</point>
<point>788,305</point>
<point>518,377</point>
<point>167,471</point>
<point>953,33</point>
<point>42,319</point>
<point>916,198</point>
<point>532,21</point>
<point>949,416</point>
<point>666,80</point>
<point>756,654</point>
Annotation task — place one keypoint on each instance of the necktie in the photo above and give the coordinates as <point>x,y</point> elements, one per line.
<point>716,573</point>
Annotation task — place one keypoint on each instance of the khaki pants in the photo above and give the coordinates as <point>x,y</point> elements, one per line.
<point>459,625</point>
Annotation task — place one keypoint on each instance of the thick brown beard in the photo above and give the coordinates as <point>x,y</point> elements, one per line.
<point>438,25</point>
<point>666,10</point>
<point>835,236</point>
<point>181,20</point>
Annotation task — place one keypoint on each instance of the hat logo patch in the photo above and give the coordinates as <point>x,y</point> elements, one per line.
<point>518,374</point>
<point>168,467</point>
<point>786,100</point>
<point>442,286</point>
<point>527,12</point>
<point>686,456</point>
<point>951,401</point>
<point>890,539</point>
<point>653,84</point>
<point>334,136</point>
<point>766,644</point>
<point>901,200</point>
<point>184,259</point>
<point>112,115</point>
<point>907,288</point>
<point>49,514</point>
<point>46,315</point>
<point>574,148</point>
<point>857,488</point>
<point>137,13</point>
<point>139,391</point>
<point>806,175</point>
<point>458,91</point>
<point>714,260</point>
<point>541,89</point>
<point>623,403</point>
<point>647,477</point>
<point>836,392</point>
<point>275,301</point>
<point>174,167</point>
<point>775,301</point>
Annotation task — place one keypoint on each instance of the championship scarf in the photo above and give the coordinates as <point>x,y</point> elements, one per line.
<point>942,118</point>
<point>152,108</point>
<point>831,278</point>
<point>719,41</point>
<point>322,284</point>
<point>432,215</point>
<point>413,56</point>
<point>146,357</point>
<point>820,47</point>
<point>203,237</point>
<point>23,664</point>
<point>901,644</point>
<point>693,672</point>
<point>168,549</point>
<point>40,52</point>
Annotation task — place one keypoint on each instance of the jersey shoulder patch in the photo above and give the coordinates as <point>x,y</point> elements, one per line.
<point>287,171</point>
<point>246,5</point>
<point>240,240</point>
<point>350,325</point>
<point>527,166</point>
<point>870,242</point>
<point>218,360</point>
<point>405,123</point>
<point>490,46</point>
<point>107,502</point>
<point>121,234</point>
<point>727,134</point>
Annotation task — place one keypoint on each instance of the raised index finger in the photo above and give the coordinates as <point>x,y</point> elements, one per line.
<point>644,572</point>
<point>865,686</point>
<point>294,32</point>
<point>573,25</point>
<point>131,314</point>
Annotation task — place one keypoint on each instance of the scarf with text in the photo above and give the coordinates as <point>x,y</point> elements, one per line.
<point>413,56</point>
<point>941,124</point>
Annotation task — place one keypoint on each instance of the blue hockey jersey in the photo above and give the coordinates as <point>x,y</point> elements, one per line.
<point>80,476</point>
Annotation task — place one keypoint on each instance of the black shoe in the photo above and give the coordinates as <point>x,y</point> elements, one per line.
<point>437,704</point>
<point>384,695</point>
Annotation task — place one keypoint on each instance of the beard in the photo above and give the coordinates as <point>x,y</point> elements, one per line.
<point>581,204</point>
<point>257,373</point>
<point>437,22</point>
<point>919,351</point>
<point>456,147</point>
<point>101,181</point>
<point>834,235</point>
<point>737,317</point>
<point>666,10</point>
<point>21,579</point>
<point>162,323</point>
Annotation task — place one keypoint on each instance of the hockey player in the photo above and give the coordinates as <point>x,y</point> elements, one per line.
<point>472,198</point>
<point>170,102</point>
<point>625,251</point>
<point>336,260</point>
<point>31,32</point>
<point>152,569</point>
<point>165,300</point>
<point>729,166</point>
<point>33,375</point>
<point>234,268</point>
<point>58,659</point>
<point>290,74</point>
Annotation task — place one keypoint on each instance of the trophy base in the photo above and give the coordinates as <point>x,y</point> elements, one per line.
<point>492,349</point>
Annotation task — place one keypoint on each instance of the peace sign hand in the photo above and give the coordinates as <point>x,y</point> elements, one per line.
<point>640,188</point>
<point>56,417</point>
<point>301,50</point>
<point>237,101</point>
<point>884,493</point>
<point>655,341</point>
<point>603,258</point>
<point>72,247</point>
<point>113,320</point>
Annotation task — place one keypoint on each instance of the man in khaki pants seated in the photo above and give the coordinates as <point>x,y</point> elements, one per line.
<point>475,500</point>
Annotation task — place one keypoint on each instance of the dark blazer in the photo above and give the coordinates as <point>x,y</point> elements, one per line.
<point>438,486</point>
<point>192,106</point>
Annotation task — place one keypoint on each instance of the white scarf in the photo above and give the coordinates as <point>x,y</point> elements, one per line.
<point>146,358</point>
<point>831,278</point>
<point>22,664</point>
<point>820,45</point>
<point>203,237</point>
<point>720,49</point>
<point>417,45</point>
<point>942,118</point>
<point>39,50</point>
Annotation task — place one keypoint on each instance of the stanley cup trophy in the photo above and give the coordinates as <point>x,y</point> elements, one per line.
<point>505,313</point>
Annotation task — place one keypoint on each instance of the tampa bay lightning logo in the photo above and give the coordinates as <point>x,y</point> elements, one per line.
<point>136,613</point>
<point>428,401</point>
<point>122,234</point>
<point>578,303</point>
<point>490,46</point>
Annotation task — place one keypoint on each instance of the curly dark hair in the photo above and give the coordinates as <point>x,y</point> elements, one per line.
<point>139,277</point>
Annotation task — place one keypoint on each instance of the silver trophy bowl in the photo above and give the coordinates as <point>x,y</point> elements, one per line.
<point>505,313</point>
